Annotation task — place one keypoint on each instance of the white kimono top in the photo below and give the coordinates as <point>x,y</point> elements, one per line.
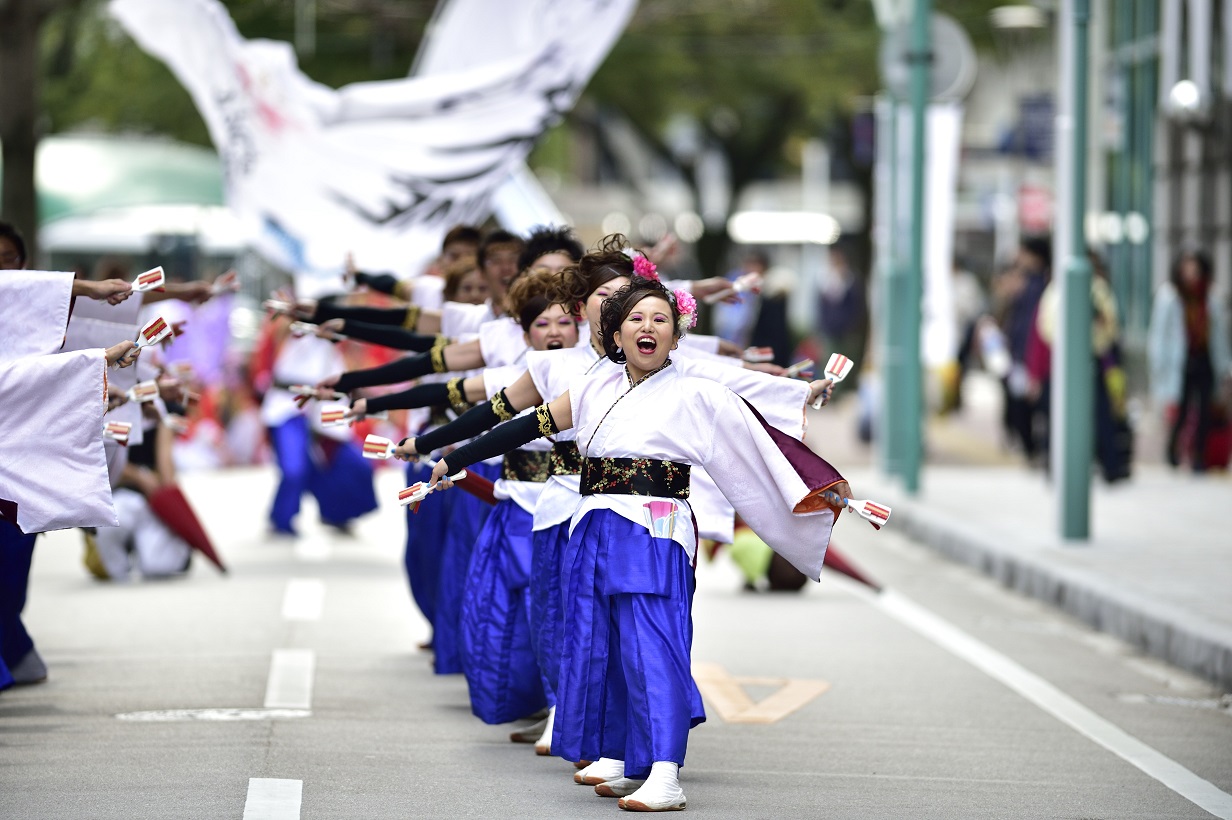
<point>690,420</point>
<point>780,400</point>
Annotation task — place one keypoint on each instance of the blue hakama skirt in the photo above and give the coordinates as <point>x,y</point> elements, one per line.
<point>502,674</point>
<point>465,521</point>
<point>626,689</point>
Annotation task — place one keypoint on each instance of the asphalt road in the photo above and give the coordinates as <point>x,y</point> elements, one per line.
<point>944,697</point>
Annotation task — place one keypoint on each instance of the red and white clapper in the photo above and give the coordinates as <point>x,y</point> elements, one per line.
<point>143,391</point>
<point>153,279</point>
<point>301,329</point>
<point>747,282</point>
<point>153,332</point>
<point>334,416</point>
<point>800,368</point>
<point>837,369</point>
<point>417,492</point>
<point>378,447</point>
<point>876,514</point>
<point>309,392</point>
<point>117,431</point>
<point>758,355</point>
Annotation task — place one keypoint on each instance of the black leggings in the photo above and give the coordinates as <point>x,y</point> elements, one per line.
<point>1197,393</point>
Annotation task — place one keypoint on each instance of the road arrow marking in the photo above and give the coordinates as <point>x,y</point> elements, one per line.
<point>727,694</point>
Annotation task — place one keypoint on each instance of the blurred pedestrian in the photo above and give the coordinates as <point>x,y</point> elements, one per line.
<point>841,307</point>
<point>1026,405</point>
<point>1113,436</point>
<point>1188,349</point>
<point>970,304</point>
<point>734,321</point>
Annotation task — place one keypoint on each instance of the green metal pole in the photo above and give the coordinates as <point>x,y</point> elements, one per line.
<point>913,382</point>
<point>891,316</point>
<point>1077,372</point>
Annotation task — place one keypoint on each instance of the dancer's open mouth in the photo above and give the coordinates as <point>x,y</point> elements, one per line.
<point>555,344</point>
<point>647,344</point>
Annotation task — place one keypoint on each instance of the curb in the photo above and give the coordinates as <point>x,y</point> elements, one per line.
<point>1162,631</point>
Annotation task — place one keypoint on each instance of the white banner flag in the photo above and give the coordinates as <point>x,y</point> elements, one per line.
<point>382,169</point>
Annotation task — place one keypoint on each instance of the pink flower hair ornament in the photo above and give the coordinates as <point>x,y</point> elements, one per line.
<point>687,305</point>
<point>644,268</point>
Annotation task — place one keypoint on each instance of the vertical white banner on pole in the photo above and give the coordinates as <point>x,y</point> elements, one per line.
<point>938,333</point>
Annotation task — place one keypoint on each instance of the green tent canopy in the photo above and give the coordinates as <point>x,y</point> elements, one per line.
<point>79,175</point>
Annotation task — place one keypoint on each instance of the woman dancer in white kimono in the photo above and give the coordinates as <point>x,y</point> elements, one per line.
<point>627,573</point>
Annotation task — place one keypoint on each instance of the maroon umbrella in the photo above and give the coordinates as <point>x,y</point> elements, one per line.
<point>173,509</point>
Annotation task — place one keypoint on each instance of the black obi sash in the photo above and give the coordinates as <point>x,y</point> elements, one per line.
<point>526,465</point>
<point>635,476</point>
<point>564,458</point>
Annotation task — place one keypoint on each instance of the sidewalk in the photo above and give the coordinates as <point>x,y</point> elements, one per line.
<point>1157,571</point>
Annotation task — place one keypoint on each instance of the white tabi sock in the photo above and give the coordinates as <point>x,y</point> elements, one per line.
<point>661,791</point>
<point>601,771</point>
<point>543,746</point>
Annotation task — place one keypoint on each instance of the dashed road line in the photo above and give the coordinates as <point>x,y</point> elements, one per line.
<point>273,799</point>
<point>290,679</point>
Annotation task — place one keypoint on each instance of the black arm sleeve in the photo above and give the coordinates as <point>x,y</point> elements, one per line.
<point>479,418</point>
<point>425,395</point>
<point>384,282</point>
<point>400,370</point>
<point>389,336</point>
<point>509,436</point>
<point>330,309</point>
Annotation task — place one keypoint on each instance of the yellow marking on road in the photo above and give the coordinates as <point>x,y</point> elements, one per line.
<point>726,694</point>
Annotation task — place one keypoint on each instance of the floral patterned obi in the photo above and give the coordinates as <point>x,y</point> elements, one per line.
<point>635,476</point>
<point>565,458</point>
<point>526,465</point>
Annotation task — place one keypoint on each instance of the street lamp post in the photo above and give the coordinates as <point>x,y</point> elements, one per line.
<point>1073,362</point>
<point>912,413</point>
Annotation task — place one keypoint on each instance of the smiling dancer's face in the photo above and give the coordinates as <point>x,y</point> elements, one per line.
<point>594,304</point>
<point>553,329</point>
<point>647,335</point>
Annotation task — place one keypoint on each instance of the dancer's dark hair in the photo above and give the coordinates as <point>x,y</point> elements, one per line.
<point>498,236</point>
<point>527,296</point>
<point>10,232</point>
<point>604,263</point>
<point>545,239</point>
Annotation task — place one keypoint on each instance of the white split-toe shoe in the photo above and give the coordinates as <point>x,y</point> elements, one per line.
<point>660,792</point>
<point>620,787</point>
<point>601,771</point>
<point>543,746</point>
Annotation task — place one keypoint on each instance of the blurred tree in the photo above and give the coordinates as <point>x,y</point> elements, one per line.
<point>747,81</point>
<point>66,65</point>
<point>744,80</point>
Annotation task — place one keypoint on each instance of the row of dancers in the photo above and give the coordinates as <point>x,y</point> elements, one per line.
<point>614,439</point>
<point>85,436</point>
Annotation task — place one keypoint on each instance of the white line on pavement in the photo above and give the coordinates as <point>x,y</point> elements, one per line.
<point>1056,703</point>
<point>290,679</point>
<point>271,799</point>
<point>232,714</point>
<point>313,549</point>
<point>303,599</point>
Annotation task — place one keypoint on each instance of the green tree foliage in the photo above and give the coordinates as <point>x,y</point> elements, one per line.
<point>97,77</point>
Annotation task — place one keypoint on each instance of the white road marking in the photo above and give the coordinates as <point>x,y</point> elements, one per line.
<point>290,679</point>
<point>271,799</point>
<point>173,715</point>
<point>1055,702</point>
<point>303,600</point>
<point>313,549</point>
